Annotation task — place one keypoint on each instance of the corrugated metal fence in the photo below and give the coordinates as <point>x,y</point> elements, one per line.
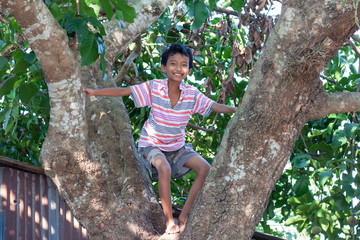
<point>31,207</point>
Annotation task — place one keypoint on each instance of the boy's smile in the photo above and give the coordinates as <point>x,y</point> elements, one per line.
<point>177,67</point>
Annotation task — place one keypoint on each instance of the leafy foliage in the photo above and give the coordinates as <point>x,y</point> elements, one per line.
<point>24,105</point>
<point>318,192</point>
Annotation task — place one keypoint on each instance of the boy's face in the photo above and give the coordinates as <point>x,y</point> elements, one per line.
<point>177,67</point>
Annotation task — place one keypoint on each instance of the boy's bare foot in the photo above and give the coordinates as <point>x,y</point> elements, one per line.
<point>172,229</point>
<point>182,223</point>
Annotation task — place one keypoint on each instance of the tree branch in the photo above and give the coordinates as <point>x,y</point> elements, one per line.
<point>200,128</point>
<point>355,48</point>
<point>331,80</point>
<point>134,54</point>
<point>340,102</point>
<point>226,11</point>
<point>118,39</point>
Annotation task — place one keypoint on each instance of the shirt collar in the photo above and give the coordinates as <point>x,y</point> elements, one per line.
<point>164,84</point>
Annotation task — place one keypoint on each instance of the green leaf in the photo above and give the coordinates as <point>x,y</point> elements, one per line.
<point>129,13</point>
<point>3,62</point>
<point>29,57</point>
<point>237,5</point>
<point>107,7</point>
<point>14,26</point>
<point>324,223</point>
<point>78,25</point>
<point>165,24</point>
<point>10,126</point>
<point>119,16</point>
<point>199,10</point>
<point>27,92</point>
<point>212,4</point>
<point>56,11</point>
<point>21,67</point>
<point>89,50</point>
<point>340,116</point>
<point>339,138</point>
<point>45,103</point>
<point>7,118</point>
<point>95,23</point>
<point>357,179</point>
<point>302,161</point>
<point>349,190</point>
<point>295,219</point>
<point>94,4</point>
<point>69,23</point>
<point>301,186</point>
<point>340,202</point>
<point>89,9</point>
<point>82,29</point>
<point>8,86</point>
<point>350,129</point>
<point>323,176</point>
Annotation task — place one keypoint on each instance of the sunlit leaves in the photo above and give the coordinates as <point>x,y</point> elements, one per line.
<point>107,7</point>
<point>128,13</point>
<point>24,103</point>
<point>324,176</point>
<point>301,161</point>
<point>237,5</point>
<point>301,186</point>
<point>199,10</point>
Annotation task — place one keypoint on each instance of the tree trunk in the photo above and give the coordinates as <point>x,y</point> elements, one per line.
<point>284,93</point>
<point>89,152</point>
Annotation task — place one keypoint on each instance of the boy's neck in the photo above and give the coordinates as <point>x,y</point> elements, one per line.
<point>172,85</point>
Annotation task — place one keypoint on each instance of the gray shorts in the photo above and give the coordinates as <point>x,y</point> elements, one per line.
<point>176,159</point>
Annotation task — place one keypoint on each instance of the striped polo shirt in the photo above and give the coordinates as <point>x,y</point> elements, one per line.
<point>165,127</point>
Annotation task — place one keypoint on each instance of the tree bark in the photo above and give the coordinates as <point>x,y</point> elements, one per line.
<point>284,93</point>
<point>89,152</point>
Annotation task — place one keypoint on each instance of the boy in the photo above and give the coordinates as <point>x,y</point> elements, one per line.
<point>162,140</point>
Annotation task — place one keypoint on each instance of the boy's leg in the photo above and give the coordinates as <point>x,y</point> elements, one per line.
<point>201,167</point>
<point>164,171</point>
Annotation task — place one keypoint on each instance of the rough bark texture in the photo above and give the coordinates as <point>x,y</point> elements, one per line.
<point>89,152</point>
<point>284,93</point>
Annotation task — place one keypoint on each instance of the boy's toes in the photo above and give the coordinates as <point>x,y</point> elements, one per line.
<point>172,229</point>
<point>182,222</point>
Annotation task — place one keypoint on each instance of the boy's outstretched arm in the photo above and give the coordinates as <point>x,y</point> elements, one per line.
<point>113,92</point>
<point>222,108</point>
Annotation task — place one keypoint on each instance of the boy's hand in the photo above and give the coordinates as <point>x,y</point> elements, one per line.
<point>89,92</point>
<point>233,109</point>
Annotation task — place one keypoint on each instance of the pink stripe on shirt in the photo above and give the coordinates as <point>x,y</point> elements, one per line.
<point>165,127</point>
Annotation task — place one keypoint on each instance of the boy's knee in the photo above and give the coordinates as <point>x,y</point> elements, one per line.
<point>164,168</point>
<point>204,170</point>
<point>161,165</point>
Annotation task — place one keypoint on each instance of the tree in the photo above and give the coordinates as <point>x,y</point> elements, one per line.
<point>89,151</point>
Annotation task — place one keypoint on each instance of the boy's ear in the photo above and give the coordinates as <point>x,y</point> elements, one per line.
<point>189,70</point>
<point>163,67</point>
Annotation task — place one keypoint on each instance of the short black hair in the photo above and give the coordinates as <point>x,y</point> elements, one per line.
<point>174,49</point>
